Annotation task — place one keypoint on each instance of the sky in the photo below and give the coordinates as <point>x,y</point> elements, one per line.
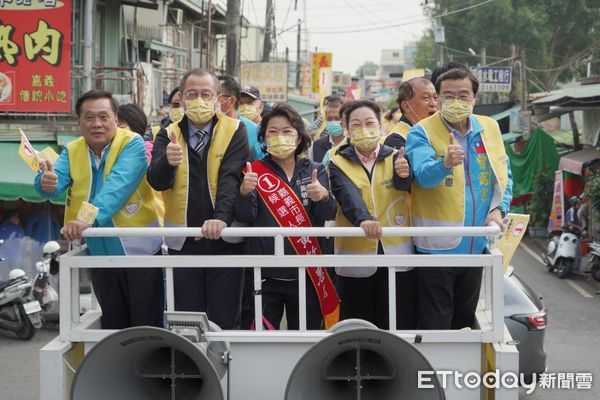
<point>353,30</point>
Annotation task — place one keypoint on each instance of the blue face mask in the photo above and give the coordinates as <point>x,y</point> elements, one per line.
<point>334,128</point>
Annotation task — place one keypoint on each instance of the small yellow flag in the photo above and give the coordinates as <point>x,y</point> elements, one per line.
<point>48,154</point>
<point>516,226</point>
<point>29,154</point>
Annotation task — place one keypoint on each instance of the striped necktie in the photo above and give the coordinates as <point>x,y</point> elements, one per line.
<point>202,136</point>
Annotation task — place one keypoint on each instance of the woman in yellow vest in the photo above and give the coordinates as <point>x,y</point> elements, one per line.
<point>371,183</point>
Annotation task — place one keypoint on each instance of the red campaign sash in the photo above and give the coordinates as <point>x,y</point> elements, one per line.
<point>288,211</point>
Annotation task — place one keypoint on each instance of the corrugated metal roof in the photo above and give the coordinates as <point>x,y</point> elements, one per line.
<point>574,92</point>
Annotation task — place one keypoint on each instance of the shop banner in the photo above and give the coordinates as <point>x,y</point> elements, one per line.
<point>556,219</point>
<point>35,56</point>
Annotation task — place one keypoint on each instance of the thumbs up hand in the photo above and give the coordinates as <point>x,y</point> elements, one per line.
<point>250,181</point>
<point>49,179</point>
<point>174,152</point>
<point>454,153</point>
<point>401,165</point>
<point>315,191</point>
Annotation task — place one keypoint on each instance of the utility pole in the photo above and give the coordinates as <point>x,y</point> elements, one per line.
<point>208,33</point>
<point>440,39</point>
<point>233,19</point>
<point>268,31</point>
<point>483,57</point>
<point>525,117</point>
<point>298,42</point>
<point>523,73</point>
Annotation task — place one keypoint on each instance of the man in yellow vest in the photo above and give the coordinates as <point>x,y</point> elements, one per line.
<point>417,99</point>
<point>106,168</point>
<point>196,163</point>
<point>462,178</point>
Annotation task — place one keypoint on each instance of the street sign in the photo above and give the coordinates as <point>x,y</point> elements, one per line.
<point>35,56</point>
<point>269,77</point>
<point>494,79</point>
<point>319,60</point>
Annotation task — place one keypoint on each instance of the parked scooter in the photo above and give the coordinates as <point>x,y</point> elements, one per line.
<point>42,289</point>
<point>595,260</point>
<point>561,252</point>
<point>19,311</point>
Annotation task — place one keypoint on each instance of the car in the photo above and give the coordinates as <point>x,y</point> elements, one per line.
<point>525,318</point>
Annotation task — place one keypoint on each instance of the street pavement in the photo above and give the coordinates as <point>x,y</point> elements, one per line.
<point>572,335</point>
<point>573,332</point>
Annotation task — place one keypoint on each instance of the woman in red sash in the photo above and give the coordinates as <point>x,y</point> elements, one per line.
<point>286,190</point>
<point>371,183</point>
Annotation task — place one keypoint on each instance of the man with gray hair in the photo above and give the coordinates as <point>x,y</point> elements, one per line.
<point>196,162</point>
<point>417,100</point>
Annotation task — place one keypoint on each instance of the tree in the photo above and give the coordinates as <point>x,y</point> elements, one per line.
<point>559,36</point>
<point>426,54</point>
<point>367,69</point>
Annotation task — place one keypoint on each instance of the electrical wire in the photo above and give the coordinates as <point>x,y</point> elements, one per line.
<point>404,23</point>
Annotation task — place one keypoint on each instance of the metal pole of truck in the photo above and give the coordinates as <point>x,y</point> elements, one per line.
<point>88,34</point>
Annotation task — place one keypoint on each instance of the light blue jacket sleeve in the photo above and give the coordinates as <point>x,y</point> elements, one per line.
<point>61,169</point>
<point>428,170</point>
<point>507,198</point>
<point>122,181</point>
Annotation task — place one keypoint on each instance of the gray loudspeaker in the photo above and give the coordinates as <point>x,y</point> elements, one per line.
<point>361,362</point>
<point>146,363</point>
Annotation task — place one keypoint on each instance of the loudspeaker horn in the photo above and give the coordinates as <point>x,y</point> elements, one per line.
<point>146,363</point>
<point>359,361</point>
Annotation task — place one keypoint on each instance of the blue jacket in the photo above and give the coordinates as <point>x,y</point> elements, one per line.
<point>480,183</point>
<point>110,196</point>
<point>256,151</point>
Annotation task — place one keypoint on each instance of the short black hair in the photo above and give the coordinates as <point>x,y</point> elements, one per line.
<point>455,74</point>
<point>343,109</point>
<point>229,84</point>
<point>172,94</point>
<point>390,114</point>
<point>94,95</point>
<point>355,105</point>
<point>445,68</point>
<point>133,116</point>
<point>332,101</point>
<point>11,213</point>
<point>406,90</point>
<point>288,112</point>
<point>199,72</point>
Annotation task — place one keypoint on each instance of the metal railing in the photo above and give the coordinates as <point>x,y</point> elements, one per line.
<point>490,315</point>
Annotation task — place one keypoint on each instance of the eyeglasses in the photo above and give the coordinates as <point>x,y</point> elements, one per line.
<point>462,97</point>
<point>204,95</point>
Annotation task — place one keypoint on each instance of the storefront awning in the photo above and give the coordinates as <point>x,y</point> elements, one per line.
<point>576,162</point>
<point>16,179</point>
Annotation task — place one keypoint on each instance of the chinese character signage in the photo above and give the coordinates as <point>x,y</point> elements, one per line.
<point>269,77</point>
<point>319,60</point>
<point>35,55</point>
<point>494,79</point>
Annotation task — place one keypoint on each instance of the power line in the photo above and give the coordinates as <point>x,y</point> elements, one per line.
<point>353,30</point>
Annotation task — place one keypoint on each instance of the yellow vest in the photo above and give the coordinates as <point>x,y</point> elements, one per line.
<point>176,198</point>
<point>402,128</point>
<point>388,205</point>
<point>445,205</point>
<point>140,209</point>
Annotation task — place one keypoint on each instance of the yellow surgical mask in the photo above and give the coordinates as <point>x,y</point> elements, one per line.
<point>281,146</point>
<point>176,114</point>
<point>249,111</point>
<point>200,111</point>
<point>455,110</point>
<point>365,139</point>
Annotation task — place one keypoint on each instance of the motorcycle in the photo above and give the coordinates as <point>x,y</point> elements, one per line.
<point>42,289</point>
<point>595,261</point>
<point>561,252</point>
<point>19,311</point>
